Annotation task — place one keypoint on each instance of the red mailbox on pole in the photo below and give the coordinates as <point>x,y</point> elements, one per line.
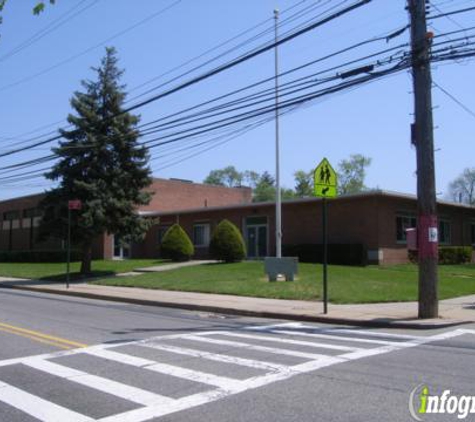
<point>411,239</point>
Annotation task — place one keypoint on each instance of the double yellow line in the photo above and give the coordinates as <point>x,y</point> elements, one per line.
<point>41,337</point>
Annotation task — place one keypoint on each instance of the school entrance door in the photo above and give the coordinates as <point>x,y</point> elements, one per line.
<point>256,237</point>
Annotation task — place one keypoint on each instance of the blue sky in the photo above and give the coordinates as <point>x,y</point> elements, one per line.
<point>154,37</point>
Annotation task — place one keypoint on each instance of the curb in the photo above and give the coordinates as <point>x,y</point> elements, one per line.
<point>375,323</point>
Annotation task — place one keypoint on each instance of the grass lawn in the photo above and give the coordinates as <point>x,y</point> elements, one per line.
<point>56,271</point>
<point>346,284</point>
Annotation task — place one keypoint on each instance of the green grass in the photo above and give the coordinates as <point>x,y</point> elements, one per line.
<point>56,271</point>
<point>346,284</point>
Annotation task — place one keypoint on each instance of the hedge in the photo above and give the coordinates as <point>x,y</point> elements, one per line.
<point>338,254</point>
<point>38,256</point>
<point>449,255</point>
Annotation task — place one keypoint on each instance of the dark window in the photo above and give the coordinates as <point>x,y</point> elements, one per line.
<point>444,232</point>
<point>256,221</point>
<point>472,233</point>
<point>404,222</point>
<point>201,234</point>
<point>11,215</point>
<point>31,213</point>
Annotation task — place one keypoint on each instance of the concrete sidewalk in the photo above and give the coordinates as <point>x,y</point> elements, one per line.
<point>398,315</point>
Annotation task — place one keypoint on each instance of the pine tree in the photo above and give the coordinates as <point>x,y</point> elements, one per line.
<point>101,164</point>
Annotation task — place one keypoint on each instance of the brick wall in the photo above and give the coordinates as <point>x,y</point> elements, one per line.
<point>174,195</point>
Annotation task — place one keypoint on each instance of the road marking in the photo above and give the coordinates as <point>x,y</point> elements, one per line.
<point>251,363</point>
<point>296,342</point>
<point>136,395</point>
<point>166,369</point>
<point>334,337</point>
<point>37,407</point>
<point>41,337</point>
<point>154,405</point>
<point>248,346</point>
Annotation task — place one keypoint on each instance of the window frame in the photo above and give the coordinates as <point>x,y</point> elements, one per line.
<point>206,234</point>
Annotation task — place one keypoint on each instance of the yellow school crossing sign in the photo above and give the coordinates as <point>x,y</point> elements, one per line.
<point>325,180</point>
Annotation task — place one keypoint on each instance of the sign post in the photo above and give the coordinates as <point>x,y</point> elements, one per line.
<point>74,204</point>
<point>325,182</point>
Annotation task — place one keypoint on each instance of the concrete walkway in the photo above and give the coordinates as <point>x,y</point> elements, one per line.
<point>401,315</point>
<point>174,266</point>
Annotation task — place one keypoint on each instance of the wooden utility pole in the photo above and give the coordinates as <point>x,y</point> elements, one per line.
<point>427,227</point>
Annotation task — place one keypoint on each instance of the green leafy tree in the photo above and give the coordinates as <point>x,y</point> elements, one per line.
<point>303,183</point>
<point>265,188</point>
<point>37,8</point>
<point>176,245</point>
<point>101,164</point>
<point>227,243</point>
<point>227,176</point>
<point>250,178</point>
<point>351,174</point>
<point>462,189</point>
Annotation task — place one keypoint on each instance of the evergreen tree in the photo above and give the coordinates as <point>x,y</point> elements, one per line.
<point>303,183</point>
<point>101,164</point>
<point>265,188</point>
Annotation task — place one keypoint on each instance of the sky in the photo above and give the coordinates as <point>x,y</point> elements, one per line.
<point>164,43</point>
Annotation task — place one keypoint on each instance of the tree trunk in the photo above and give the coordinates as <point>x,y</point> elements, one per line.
<point>86,259</point>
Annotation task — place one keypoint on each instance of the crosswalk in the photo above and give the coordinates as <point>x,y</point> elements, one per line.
<point>209,365</point>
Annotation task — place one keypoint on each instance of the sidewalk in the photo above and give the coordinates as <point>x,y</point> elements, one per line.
<point>396,315</point>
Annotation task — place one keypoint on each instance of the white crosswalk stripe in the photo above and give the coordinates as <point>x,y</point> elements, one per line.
<point>152,405</point>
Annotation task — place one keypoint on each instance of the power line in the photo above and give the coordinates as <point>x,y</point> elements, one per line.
<point>456,100</point>
<point>37,36</point>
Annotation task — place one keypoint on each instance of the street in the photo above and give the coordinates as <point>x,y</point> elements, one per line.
<point>72,359</point>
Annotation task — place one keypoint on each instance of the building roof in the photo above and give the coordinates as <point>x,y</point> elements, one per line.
<point>355,196</point>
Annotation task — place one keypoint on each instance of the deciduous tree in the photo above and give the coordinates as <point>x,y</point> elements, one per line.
<point>351,174</point>
<point>462,189</point>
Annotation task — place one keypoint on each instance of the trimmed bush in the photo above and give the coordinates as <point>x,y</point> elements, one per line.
<point>176,245</point>
<point>227,243</point>
<point>338,254</point>
<point>38,256</point>
<point>448,255</point>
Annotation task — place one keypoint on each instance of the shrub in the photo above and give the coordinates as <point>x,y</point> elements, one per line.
<point>176,245</point>
<point>227,243</point>
<point>448,255</point>
<point>338,254</point>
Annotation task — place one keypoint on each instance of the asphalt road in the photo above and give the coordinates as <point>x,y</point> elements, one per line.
<point>70,359</point>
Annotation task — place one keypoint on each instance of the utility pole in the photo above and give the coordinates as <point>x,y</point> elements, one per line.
<point>427,227</point>
<point>278,199</point>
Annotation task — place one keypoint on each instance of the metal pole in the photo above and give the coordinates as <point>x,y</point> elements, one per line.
<point>424,140</point>
<point>325,254</point>
<point>278,199</point>
<point>68,248</point>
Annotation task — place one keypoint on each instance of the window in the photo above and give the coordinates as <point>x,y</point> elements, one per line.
<point>404,222</point>
<point>201,234</point>
<point>11,215</point>
<point>444,232</point>
<point>31,213</point>
<point>161,233</point>
<point>472,233</point>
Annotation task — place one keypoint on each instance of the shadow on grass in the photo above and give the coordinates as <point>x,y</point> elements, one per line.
<point>74,278</point>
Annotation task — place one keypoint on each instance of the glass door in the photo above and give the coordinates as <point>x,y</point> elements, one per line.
<point>121,249</point>
<point>256,237</point>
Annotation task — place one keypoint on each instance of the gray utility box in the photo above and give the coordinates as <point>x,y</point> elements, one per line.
<point>286,266</point>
